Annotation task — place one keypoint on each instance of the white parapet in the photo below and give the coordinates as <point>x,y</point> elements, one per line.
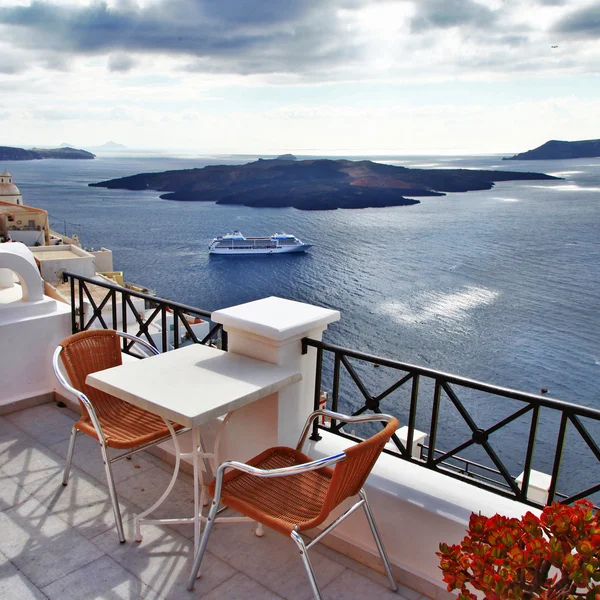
<point>271,329</point>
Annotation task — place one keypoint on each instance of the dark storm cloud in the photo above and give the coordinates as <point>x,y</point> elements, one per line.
<point>243,36</point>
<point>443,14</point>
<point>583,22</point>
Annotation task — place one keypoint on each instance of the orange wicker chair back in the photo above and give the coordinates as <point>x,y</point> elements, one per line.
<point>350,475</point>
<point>87,352</point>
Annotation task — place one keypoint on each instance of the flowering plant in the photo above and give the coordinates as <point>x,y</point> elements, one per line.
<point>553,557</point>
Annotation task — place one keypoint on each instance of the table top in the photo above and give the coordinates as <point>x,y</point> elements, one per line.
<point>193,384</point>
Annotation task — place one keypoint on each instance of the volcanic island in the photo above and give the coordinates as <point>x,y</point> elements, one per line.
<point>319,184</point>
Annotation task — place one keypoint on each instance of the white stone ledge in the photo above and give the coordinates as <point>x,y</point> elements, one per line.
<point>415,509</point>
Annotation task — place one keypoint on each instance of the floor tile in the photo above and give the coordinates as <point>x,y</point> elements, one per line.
<point>88,457</point>
<point>42,546</point>
<point>163,561</point>
<point>47,423</point>
<point>11,435</point>
<point>14,585</point>
<point>241,587</point>
<point>26,460</point>
<point>146,488</point>
<point>84,503</point>
<point>11,492</point>
<point>273,560</point>
<point>350,585</point>
<point>102,578</point>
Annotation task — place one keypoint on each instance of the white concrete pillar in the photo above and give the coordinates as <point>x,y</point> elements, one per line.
<point>271,329</point>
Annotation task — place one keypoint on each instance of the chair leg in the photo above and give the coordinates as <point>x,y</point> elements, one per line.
<point>210,521</point>
<point>380,547</point>
<point>113,493</point>
<point>308,567</point>
<point>74,433</point>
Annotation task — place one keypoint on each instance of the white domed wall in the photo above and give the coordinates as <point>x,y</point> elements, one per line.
<point>9,192</point>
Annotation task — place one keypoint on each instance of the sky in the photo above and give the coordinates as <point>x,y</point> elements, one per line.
<point>302,76</point>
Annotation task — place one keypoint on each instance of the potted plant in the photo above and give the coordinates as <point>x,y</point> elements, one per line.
<point>552,557</point>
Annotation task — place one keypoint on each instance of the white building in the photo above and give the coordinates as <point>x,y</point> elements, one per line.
<point>9,192</point>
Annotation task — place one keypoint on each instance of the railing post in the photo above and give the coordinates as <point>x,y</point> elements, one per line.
<point>317,402</point>
<point>73,313</point>
<point>435,411</point>
<point>529,456</point>
<point>412,417</point>
<point>560,442</point>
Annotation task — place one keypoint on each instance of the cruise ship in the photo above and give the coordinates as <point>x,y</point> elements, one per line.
<point>237,244</point>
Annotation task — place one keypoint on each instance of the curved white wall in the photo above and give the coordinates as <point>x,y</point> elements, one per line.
<point>16,257</point>
<point>31,326</point>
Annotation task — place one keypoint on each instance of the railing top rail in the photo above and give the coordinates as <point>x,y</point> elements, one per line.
<point>535,399</point>
<point>111,286</point>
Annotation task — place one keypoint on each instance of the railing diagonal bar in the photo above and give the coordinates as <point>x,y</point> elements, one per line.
<point>450,453</point>
<point>392,388</point>
<point>583,432</point>
<point>513,417</point>
<point>584,494</point>
<point>459,406</point>
<point>96,312</point>
<point>208,337</point>
<point>356,378</point>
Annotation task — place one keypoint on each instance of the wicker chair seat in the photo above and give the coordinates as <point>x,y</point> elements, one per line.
<point>126,426</point>
<point>281,503</point>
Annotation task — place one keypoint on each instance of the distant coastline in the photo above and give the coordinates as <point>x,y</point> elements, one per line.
<point>321,184</point>
<point>10,153</point>
<point>558,149</point>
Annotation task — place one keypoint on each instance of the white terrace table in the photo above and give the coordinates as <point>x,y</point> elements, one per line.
<point>191,386</point>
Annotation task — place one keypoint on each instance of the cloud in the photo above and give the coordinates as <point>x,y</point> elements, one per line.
<point>298,41</point>
<point>442,14</point>
<point>585,22</point>
<point>235,36</point>
<point>10,67</point>
<point>120,63</point>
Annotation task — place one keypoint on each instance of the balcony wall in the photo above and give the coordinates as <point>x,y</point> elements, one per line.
<point>415,508</point>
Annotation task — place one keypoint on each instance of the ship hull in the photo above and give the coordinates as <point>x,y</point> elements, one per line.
<point>259,251</point>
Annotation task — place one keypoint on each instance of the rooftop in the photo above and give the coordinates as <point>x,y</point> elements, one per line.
<point>60,542</point>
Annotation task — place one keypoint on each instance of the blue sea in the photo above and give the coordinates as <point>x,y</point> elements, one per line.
<point>501,286</point>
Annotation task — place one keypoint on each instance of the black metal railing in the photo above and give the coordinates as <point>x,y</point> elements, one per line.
<point>118,302</point>
<point>444,387</point>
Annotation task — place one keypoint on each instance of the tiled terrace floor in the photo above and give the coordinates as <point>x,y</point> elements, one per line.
<point>60,542</point>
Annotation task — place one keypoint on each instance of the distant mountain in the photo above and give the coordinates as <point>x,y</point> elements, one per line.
<point>110,146</point>
<point>557,149</point>
<point>286,157</point>
<point>312,184</point>
<point>9,153</point>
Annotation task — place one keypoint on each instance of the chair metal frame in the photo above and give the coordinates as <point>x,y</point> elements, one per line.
<point>106,458</point>
<point>295,470</point>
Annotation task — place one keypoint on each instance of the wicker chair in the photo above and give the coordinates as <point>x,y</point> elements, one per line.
<point>290,492</point>
<point>113,422</point>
